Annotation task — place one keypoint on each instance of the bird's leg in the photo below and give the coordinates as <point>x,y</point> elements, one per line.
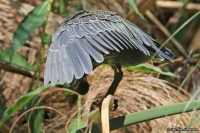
<point>118,74</point>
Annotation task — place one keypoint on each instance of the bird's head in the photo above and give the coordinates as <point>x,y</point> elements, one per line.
<point>80,85</point>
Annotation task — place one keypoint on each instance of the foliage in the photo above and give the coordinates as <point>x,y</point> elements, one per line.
<point>32,21</point>
<point>14,60</point>
<point>149,69</point>
<point>76,124</point>
<point>23,100</point>
<point>148,114</point>
<point>35,117</point>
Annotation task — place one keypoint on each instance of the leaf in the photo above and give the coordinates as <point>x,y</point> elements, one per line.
<point>63,4</point>
<point>35,117</point>
<point>66,93</point>
<point>24,99</point>
<point>76,124</point>
<point>134,6</point>
<point>147,68</point>
<point>2,108</point>
<point>16,62</point>
<point>146,115</point>
<point>33,20</point>
<point>46,38</point>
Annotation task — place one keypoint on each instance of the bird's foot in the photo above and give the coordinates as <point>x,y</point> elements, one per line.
<point>115,105</point>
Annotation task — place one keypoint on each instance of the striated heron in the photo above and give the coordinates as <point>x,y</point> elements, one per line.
<point>88,39</point>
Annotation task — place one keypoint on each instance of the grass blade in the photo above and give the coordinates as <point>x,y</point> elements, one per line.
<point>134,6</point>
<point>24,99</point>
<point>35,117</point>
<point>146,115</point>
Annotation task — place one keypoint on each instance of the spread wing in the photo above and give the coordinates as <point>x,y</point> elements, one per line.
<point>92,34</point>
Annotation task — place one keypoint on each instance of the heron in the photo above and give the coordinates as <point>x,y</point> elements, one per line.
<point>88,39</point>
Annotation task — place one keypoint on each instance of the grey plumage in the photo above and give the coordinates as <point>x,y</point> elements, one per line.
<point>89,38</point>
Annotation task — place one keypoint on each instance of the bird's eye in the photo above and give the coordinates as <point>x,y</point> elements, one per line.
<point>76,86</point>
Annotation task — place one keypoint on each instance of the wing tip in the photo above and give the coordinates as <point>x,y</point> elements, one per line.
<point>46,83</point>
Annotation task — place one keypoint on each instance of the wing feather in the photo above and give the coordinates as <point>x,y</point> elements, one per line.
<point>52,63</point>
<point>122,38</point>
<point>57,33</point>
<point>149,42</point>
<point>124,29</point>
<point>99,26</point>
<point>111,23</point>
<point>61,73</point>
<point>72,30</point>
<point>101,41</point>
<point>146,39</point>
<point>127,38</point>
<point>69,74</point>
<point>47,72</point>
<point>96,44</point>
<point>75,64</point>
<point>104,26</point>
<point>107,25</point>
<point>139,45</point>
<point>85,29</point>
<point>93,34</point>
<point>65,39</point>
<point>98,57</point>
<point>91,30</point>
<point>108,41</point>
<point>78,31</point>
<point>117,39</point>
<point>83,57</point>
<point>113,40</point>
<point>53,67</point>
<point>95,27</point>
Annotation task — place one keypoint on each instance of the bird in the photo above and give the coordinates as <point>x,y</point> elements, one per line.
<point>88,39</point>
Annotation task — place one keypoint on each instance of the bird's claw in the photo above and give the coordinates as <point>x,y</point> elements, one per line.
<point>115,105</point>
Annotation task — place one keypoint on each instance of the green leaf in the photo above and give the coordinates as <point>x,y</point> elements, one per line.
<point>76,124</point>
<point>66,93</point>
<point>147,68</point>
<point>17,61</point>
<point>63,4</point>
<point>33,20</point>
<point>46,38</point>
<point>146,115</point>
<point>35,117</point>
<point>24,99</point>
<point>134,6</point>
<point>2,108</point>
